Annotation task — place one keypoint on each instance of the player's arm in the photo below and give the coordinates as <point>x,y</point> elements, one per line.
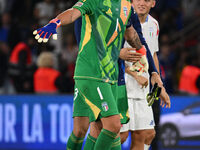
<point>165,99</point>
<point>155,78</point>
<point>43,34</point>
<point>137,26</point>
<point>133,39</point>
<point>156,62</point>
<point>69,16</point>
<point>80,8</point>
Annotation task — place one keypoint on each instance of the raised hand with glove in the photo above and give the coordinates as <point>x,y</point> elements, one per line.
<point>43,34</point>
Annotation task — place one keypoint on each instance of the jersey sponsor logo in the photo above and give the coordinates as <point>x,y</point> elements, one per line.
<point>105,106</point>
<point>79,4</point>
<point>125,11</point>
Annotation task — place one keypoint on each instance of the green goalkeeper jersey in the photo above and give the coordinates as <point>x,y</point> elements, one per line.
<point>103,27</point>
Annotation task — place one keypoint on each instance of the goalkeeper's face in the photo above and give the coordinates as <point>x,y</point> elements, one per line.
<point>142,7</point>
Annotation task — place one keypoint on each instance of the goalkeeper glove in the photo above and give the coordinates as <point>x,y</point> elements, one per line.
<point>43,34</point>
<point>154,94</point>
<point>142,65</point>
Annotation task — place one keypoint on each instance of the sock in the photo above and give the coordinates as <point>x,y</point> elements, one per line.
<point>90,142</point>
<point>146,147</point>
<point>74,143</point>
<point>105,140</point>
<point>116,145</point>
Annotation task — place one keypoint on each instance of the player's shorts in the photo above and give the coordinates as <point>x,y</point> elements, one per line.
<point>80,107</point>
<point>95,99</point>
<point>141,116</point>
<point>122,104</point>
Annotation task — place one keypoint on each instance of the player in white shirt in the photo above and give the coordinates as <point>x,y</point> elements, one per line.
<point>141,122</point>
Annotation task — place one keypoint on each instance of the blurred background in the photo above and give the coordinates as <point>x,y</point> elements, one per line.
<point>36,80</point>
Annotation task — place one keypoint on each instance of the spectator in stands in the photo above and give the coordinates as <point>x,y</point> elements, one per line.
<point>190,77</point>
<point>5,27</point>
<point>46,78</point>
<point>70,53</point>
<point>190,9</point>
<point>2,6</point>
<point>9,32</point>
<point>45,11</point>
<point>166,66</point>
<point>4,54</point>
<point>21,68</point>
<point>61,5</point>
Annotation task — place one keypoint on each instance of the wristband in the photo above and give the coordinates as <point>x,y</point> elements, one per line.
<point>142,51</point>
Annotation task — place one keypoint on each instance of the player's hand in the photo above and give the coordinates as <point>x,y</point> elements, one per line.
<point>43,34</point>
<point>155,78</point>
<point>165,100</point>
<point>142,81</point>
<point>130,55</point>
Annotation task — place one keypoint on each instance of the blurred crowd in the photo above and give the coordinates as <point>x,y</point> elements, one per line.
<point>25,64</point>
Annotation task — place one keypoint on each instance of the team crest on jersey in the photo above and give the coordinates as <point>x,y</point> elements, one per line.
<point>125,11</point>
<point>105,106</point>
<point>79,4</point>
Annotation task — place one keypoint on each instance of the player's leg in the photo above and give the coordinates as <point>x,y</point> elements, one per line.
<point>122,104</point>
<point>142,124</point>
<point>124,136</point>
<point>150,135</point>
<point>116,145</point>
<point>137,140</point>
<point>109,135</point>
<point>156,113</point>
<point>124,132</point>
<point>76,138</point>
<point>81,122</point>
<point>81,125</point>
<point>111,128</point>
<point>141,139</point>
<point>95,129</point>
